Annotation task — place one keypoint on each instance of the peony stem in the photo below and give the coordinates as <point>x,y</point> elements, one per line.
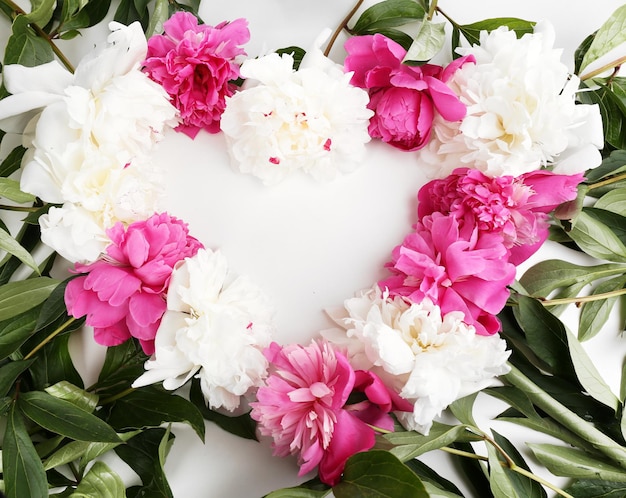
<point>566,417</point>
<point>19,208</point>
<point>608,181</point>
<point>51,336</point>
<point>343,24</point>
<point>432,10</point>
<point>509,464</point>
<point>42,34</point>
<point>606,67</point>
<point>582,299</point>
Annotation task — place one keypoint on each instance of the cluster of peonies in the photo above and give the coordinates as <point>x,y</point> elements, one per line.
<point>412,344</point>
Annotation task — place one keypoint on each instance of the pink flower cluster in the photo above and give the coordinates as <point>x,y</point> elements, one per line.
<point>405,99</point>
<point>196,66</point>
<point>303,407</point>
<point>123,293</point>
<point>473,230</point>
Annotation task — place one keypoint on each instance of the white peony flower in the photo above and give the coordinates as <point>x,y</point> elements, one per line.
<point>521,111</point>
<point>311,119</point>
<point>214,328</point>
<point>430,359</point>
<point>108,111</point>
<point>98,198</point>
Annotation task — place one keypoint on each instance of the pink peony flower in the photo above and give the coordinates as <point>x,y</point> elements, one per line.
<point>195,65</point>
<point>123,293</point>
<point>404,98</point>
<point>303,407</point>
<point>515,207</point>
<point>457,267</point>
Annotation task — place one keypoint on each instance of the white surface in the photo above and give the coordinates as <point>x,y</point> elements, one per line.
<point>313,245</point>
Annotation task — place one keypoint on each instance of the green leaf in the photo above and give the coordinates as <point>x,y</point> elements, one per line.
<point>597,239</point>
<point>588,375</point>
<point>614,201</point>
<point>570,462</point>
<point>25,47</point>
<point>388,14</point>
<point>615,222</point>
<point>436,485</point>
<point>580,52</point>
<point>12,246</point>
<point>523,485</point>
<point>594,314</point>
<point>546,336</point>
<point>544,277</point>
<point>428,42</point>
<point>150,407</point>
<point>63,417</point>
<point>462,409</point>
<point>22,469</point>
<point>612,165</point>
<point>100,482</point>
<point>296,493</point>
<point>54,307</point>
<point>296,53</point>
<point>12,162</point>
<point>144,454</point>
<point>409,445</point>
<point>9,374</point>
<point>18,297</point>
<point>97,11</point>
<point>499,478</point>
<point>10,189</point>
<point>610,35</point>
<point>613,119</point>
<point>159,16</point>
<point>54,363</point>
<point>592,488</point>
<point>79,397</point>
<point>400,37</point>
<point>378,474</point>
<point>242,425</point>
<point>41,12</point>
<point>471,32</point>
<point>14,332</point>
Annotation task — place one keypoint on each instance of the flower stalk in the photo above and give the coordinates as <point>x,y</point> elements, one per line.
<point>582,299</point>
<point>51,336</point>
<point>566,417</point>
<point>342,25</point>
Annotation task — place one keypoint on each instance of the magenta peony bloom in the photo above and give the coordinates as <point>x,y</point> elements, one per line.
<point>303,407</point>
<point>123,293</point>
<point>403,98</point>
<point>515,207</point>
<point>456,266</point>
<point>195,65</point>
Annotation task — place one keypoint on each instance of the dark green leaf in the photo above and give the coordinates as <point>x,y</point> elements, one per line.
<point>54,307</point>
<point>9,374</point>
<point>25,47</point>
<point>296,52</point>
<point>612,165</point>
<point>581,51</point>
<point>296,493</point>
<point>18,297</point>
<point>150,407</point>
<point>69,392</point>
<point>546,335</point>
<point>388,14</point>
<point>474,471</point>
<point>23,472</point>
<point>471,32</point>
<point>615,222</point>
<point>500,477</point>
<point>592,488</point>
<point>428,475</point>
<point>14,332</point>
<point>597,239</point>
<point>97,11</point>
<point>141,453</point>
<point>400,37</point>
<point>123,364</point>
<point>613,118</point>
<point>378,474</point>
<point>63,417</point>
<point>242,425</point>
<point>54,363</point>
<point>12,162</point>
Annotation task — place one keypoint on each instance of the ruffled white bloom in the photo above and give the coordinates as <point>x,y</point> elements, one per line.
<point>98,198</point>
<point>214,328</point>
<point>521,111</point>
<point>430,359</point>
<point>311,119</point>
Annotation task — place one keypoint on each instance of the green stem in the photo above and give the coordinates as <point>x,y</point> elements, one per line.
<point>582,299</point>
<point>51,336</point>
<point>117,396</point>
<point>432,10</point>
<point>606,67</point>
<point>42,34</point>
<point>343,24</point>
<point>25,209</point>
<point>510,465</point>
<point>608,181</point>
<point>566,417</point>
<point>449,19</point>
